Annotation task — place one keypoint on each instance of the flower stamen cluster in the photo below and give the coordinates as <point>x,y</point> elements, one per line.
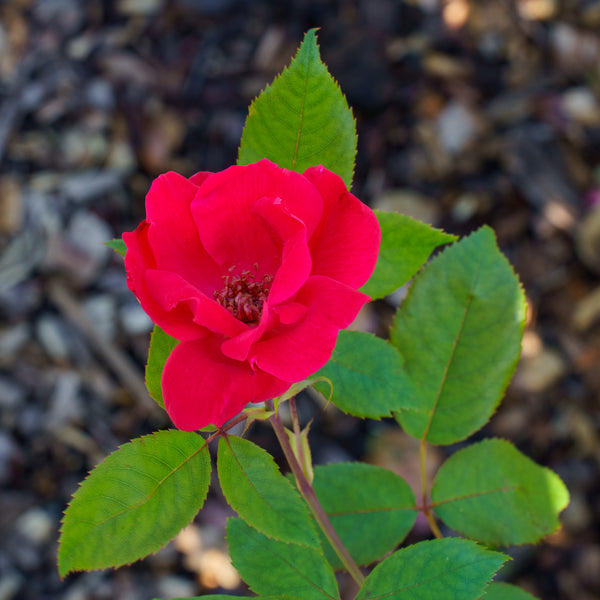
<point>243,295</point>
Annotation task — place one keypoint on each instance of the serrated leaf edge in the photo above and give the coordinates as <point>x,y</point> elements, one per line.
<point>435,541</point>
<point>62,573</point>
<point>509,372</point>
<point>507,442</point>
<point>292,566</point>
<point>268,88</point>
<point>357,414</point>
<point>316,547</point>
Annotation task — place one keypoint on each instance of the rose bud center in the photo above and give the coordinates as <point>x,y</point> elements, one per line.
<point>243,295</point>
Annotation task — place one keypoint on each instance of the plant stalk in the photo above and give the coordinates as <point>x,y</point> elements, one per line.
<point>425,492</point>
<point>308,493</point>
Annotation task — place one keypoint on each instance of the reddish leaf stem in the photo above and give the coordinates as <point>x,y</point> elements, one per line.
<point>225,428</point>
<point>425,507</point>
<point>308,493</point>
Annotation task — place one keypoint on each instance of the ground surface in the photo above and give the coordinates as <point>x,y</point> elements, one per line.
<point>470,113</point>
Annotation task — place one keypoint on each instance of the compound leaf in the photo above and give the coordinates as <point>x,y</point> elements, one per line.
<point>459,331</point>
<point>118,245</point>
<point>161,345</point>
<point>272,567</point>
<point>450,568</point>
<point>405,247</point>
<point>369,524</point>
<point>302,119</point>
<point>135,501</point>
<point>506,591</point>
<point>367,376</point>
<point>493,493</point>
<point>255,488</point>
<point>226,596</point>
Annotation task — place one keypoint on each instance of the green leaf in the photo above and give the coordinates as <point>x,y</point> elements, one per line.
<point>405,247</point>
<point>459,331</point>
<point>161,345</point>
<point>302,119</point>
<point>505,591</point>
<point>367,376</point>
<point>272,567</point>
<point>255,488</point>
<point>492,493</point>
<point>448,569</point>
<point>117,245</point>
<point>294,390</point>
<point>135,501</point>
<point>225,596</point>
<point>371,509</point>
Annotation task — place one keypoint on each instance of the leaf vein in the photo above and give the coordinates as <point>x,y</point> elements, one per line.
<point>507,488</point>
<point>451,357</point>
<point>293,568</point>
<point>154,491</point>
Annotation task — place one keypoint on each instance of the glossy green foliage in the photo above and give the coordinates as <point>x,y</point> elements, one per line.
<point>367,376</point>
<point>161,345</point>
<point>118,245</point>
<point>135,501</point>
<point>446,569</point>
<point>302,119</point>
<point>371,509</point>
<point>405,247</point>
<point>272,567</point>
<point>505,591</point>
<point>459,331</point>
<point>225,597</point>
<point>492,493</point>
<point>255,488</point>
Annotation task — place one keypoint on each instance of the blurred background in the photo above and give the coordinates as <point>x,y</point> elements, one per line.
<point>468,112</point>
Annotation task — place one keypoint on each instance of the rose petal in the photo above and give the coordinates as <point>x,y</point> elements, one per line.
<point>231,233</point>
<point>173,236</point>
<point>318,242</point>
<point>296,263</point>
<point>171,292</point>
<point>345,246</point>
<point>290,313</point>
<point>241,241</point>
<point>138,261</point>
<point>203,387</point>
<point>238,347</point>
<point>199,177</point>
<point>296,351</point>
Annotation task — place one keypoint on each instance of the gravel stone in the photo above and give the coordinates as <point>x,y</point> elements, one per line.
<point>36,525</point>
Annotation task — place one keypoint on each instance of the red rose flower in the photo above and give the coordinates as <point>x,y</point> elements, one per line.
<point>255,270</point>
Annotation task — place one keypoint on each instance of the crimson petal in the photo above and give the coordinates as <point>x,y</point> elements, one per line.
<point>173,236</point>
<point>239,346</point>
<point>172,292</point>
<point>199,177</point>
<point>202,387</point>
<point>294,352</point>
<point>230,232</point>
<point>138,260</point>
<point>296,263</point>
<point>346,243</point>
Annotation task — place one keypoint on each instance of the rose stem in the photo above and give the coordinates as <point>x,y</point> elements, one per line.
<point>297,434</point>
<point>424,492</point>
<point>225,428</point>
<point>309,495</point>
